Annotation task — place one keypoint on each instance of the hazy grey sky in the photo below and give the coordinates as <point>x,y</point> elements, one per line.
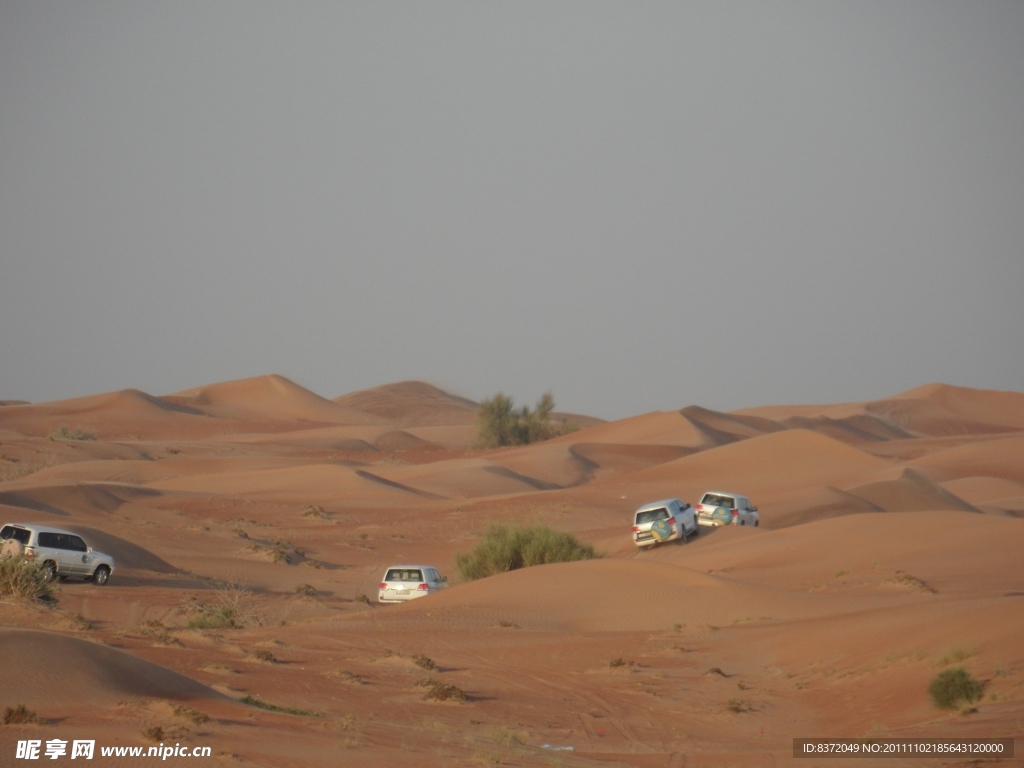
<point>636,205</point>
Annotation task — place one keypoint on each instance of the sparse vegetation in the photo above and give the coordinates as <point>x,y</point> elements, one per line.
<point>345,676</point>
<point>63,433</point>
<point>499,423</point>
<point>306,590</point>
<point>12,469</point>
<point>362,598</point>
<point>423,662</point>
<point>19,715</point>
<point>954,655</point>
<point>955,689</point>
<point>233,607</point>
<point>620,662</point>
<point>912,582</point>
<point>23,579</point>
<point>738,707</point>
<point>510,547</point>
<point>315,511</point>
<point>261,654</point>
<point>252,701</point>
<point>194,715</point>
<point>438,691</point>
<point>156,733</point>
<point>508,738</point>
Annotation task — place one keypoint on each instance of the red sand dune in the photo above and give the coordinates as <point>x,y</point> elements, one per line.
<point>55,670</point>
<point>278,511</point>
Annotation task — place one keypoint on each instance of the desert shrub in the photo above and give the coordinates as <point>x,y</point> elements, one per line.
<point>155,733</point>
<point>265,656</point>
<point>954,688</point>
<point>306,590</point>
<point>194,715</point>
<point>510,547</point>
<point>63,433</point>
<point>23,579</point>
<point>438,691</point>
<point>19,714</point>
<point>499,423</point>
<point>232,607</point>
<point>252,701</point>
<point>424,662</point>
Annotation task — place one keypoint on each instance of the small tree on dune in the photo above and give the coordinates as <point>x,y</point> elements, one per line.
<point>500,423</point>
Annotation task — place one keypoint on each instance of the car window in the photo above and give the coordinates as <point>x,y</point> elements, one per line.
<point>433,574</point>
<point>404,574</point>
<point>18,534</point>
<point>77,544</point>
<point>715,500</point>
<point>47,539</point>
<point>650,515</point>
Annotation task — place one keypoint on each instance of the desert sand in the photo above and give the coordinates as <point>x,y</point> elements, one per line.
<point>890,548</point>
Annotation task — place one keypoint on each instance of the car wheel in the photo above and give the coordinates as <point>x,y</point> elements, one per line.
<point>757,523</point>
<point>49,571</point>
<point>99,578</point>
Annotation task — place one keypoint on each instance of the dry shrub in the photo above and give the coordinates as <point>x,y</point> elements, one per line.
<point>19,715</point>
<point>23,579</point>
<point>438,691</point>
<point>316,511</point>
<point>63,433</point>
<point>424,662</point>
<point>265,656</point>
<point>307,590</point>
<point>233,607</point>
<point>912,582</point>
<point>738,707</point>
<point>194,715</point>
<point>156,733</point>
<point>345,676</point>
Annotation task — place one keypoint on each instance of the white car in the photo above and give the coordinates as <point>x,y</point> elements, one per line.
<point>663,521</point>
<point>61,553</point>
<point>724,508</point>
<point>407,582</point>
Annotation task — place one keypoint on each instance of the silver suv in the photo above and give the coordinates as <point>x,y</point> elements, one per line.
<point>663,521</point>
<point>61,553</point>
<point>407,582</point>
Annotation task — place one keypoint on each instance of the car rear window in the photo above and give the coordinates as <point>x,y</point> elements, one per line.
<point>404,574</point>
<point>650,515</point>
<point>18,534</point>
<point>718,501</point>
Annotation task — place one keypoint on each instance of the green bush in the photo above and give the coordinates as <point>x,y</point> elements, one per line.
<point>23,579</point>
<point>509,547</point>
<point>499,423</point>
<point>954,688</point>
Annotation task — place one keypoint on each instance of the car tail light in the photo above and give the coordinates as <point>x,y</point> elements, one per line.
<point>29,553</point>
<point>700,507</point>
<point>735,512</point>
<point>636,529</point>
<point>423,587</point>
<point>383,585</point>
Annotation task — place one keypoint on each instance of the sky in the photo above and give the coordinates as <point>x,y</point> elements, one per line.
<point>636,206</point>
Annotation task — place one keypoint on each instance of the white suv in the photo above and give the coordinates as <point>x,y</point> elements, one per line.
<point>61,553</point>
<point>407,582</point>
<point>724,508</point>
<point>663,521</point>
